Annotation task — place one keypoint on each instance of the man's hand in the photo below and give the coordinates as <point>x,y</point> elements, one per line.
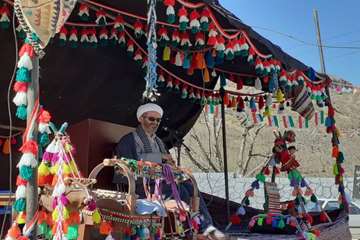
<point>167,158</point>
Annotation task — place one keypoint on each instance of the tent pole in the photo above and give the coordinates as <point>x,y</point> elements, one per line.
<point>32,188</point>
<point>222,94</point>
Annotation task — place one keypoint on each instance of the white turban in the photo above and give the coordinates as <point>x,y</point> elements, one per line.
<point>149,107</point>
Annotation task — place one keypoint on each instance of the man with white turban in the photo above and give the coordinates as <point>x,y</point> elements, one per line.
<point>144,144</point>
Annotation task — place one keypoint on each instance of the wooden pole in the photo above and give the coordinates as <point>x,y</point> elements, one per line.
<point>32,188</point>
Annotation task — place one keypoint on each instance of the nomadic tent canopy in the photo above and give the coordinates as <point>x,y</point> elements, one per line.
<point>105,84</point>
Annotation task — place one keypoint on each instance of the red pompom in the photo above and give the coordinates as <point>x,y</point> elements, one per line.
<point>235,219</point>
<point>29,147</point>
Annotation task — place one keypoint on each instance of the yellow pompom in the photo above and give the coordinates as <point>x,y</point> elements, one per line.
<point>68,147</point>
<point>55,215</point>
<point>54,169</point>
<point>337,132</point>
<point>65,213</point>
<point>166,54</point>
<point>279,96</point>
<point>66,169</point>
<point>43,169</point>
<point>21,218</point>
<point>96,217</point>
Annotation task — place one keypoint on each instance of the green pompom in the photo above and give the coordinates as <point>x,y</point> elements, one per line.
<point>4,25</point>
<point>26,172</point>
<point>230,56</point>
<point>23,75</point>
<point>341,157</point>
<point>182,26</point>
<point>260,221</point>
<point>62,43</point>
<point>21,34</point>
<point>72,233</point>
<point>313,198</point>
<point>44,139</point>
<point>281,224</point>
<point>104,42</point>
<point>171,18</point>
<point>261,177</point>
<point>43,229</point>
<point>20,204</point>
<point>204,26</point>
<point>21,112</point>
<point>74,44</point>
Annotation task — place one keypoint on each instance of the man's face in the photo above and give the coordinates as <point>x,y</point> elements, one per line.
<point>150,121</point>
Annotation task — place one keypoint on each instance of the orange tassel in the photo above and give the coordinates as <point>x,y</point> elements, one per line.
<point>42,217</point>
<point>226,99</point>
<point>190,71</point>
<point>206,75</point>
<point>54,180</point>
<point>105,228</point>
<point>6,147</point>
<point>14,231</point>
<point>335,152</point>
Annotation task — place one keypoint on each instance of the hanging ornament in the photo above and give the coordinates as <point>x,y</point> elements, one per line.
<point>206,75</point>
<point>103,37</point>
<point>259,67</point>
<point>130,47</point>
<point>183,19</point>
<point>166,54</point>
<point>113,37</point>
<point>84,12</point>
<point>92,38</point>
<point>199,40</point>
<point>4,17</point>
<point>138,56</point>
<point>138,29</point>
<point>185,40</point>
<point>279,96</point>
<point>184,92</point>
<point>20,32</point>
<point>252,104</point>
<point>267,68</point>
<point>119,23</point>
<point>192,96</point>
<point>244,47</point>
<point>101,17</point>
<point>179,59</point>
<point>251,56</point>
<point>240,104</point>
<point>63,36</point>
<point>175,38</point>
<point>261,102</point>
<point>204,20</point>
<point>163,36</point>
<point>122,40</point>
<point>229,50</point>
<point>212,37</point>
<point>194,22</point>
<point>84,39</point>
<point>220,46</point>
<point>169,83</point>
<point>170,11</point>
<point>258,85</point>
<point>73,38</point>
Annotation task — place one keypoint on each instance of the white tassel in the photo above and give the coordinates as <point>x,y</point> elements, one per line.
<point>20,192</point>
<point>109,237</point>
<point>73,37</point>
<point>4,18</point>
<point>44,127</point>
<point>51,148</point>
<point>93,39</point>
<point>195,23</point>
<point>9,238</point>
<point>241,211</point>
<point>25,61</point>
<point>59,190</point>
<point>204,19</point>
<point>20,99</point>
<point>268,100</point>
<point>170,10</point>
<point>84,38</point>
<point>183,19</point>
<point>258,85</point>
<point>28,159</point>
<point>178,59</point>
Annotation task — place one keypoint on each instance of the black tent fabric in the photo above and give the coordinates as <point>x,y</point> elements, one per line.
<point>105,84</point>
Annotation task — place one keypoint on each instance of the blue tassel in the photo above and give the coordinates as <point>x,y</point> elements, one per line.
<point>21,112</point>
<point>252,104</point>
<point>341,189</point>
<point>274,223</point>
<point>303,183</point>
<point>19,205</point>
<point>186,63</point>
<point>210,62</point>
<point>341,157</point>
<point>328,122</point>
<point>222,80</point>
<point>26,172</point>
<point>255,184</point>
<point>23,75</point>
<point>44,139</point>
<point>219,59</point>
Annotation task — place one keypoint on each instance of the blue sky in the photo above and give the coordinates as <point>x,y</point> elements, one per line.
<point>339,23</point>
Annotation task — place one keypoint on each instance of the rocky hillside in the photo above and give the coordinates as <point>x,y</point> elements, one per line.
<point>313,144</point>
